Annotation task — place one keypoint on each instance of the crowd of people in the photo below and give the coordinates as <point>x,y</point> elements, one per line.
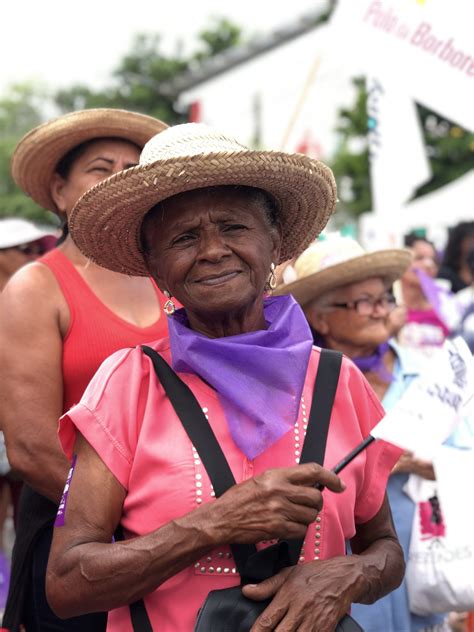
<point>167,363</point>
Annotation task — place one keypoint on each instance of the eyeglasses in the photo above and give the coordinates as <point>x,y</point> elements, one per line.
<point>367,306</point>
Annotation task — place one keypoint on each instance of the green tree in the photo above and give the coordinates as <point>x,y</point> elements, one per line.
<point>142,77</point>
<point>351,161</point>
<point>136,84</point>
<point>219,36</point>
<point>20,110</point>
<point>449,147</point>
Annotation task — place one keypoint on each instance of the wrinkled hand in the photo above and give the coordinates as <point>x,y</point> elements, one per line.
<point>280,503</point>
<point>409,464</point>
<point>310,597</point>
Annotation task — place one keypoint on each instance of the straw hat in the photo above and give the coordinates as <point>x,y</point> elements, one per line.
<point>16,232</point>
<point>38,153</point>
<point>337,261</point>
<point>106,221</point>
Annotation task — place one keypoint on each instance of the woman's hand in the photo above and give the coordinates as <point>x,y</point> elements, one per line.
<point>308,597</point>
<point>280,503</point>
<point>316,595</point>
<point>409,464</point>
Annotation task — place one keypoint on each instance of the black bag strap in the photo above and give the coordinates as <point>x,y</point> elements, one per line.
<point>314,446</point>
<point>138,613</point>
<point>202,437</point>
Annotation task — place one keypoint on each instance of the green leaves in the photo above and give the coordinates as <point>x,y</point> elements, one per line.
<point>137,83</point>
<point>449,147</point>
<point>142,78</point>
<point>351,161</point>
<point>20,110</point>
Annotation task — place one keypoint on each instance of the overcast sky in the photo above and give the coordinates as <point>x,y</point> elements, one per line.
<point>62,42</point>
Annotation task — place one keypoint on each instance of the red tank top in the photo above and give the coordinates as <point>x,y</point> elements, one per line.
<point>95,331</point>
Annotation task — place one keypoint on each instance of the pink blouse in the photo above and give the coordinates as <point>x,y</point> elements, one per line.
<point>126,417</point>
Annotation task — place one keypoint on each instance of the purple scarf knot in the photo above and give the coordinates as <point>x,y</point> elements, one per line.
<point>258,376</point>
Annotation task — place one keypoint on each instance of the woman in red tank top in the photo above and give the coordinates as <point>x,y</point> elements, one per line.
<point>60,318</point>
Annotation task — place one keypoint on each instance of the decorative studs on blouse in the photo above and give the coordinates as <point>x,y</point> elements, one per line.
<point>204,565</point>
<point>298,433</point>
<point>317,538</point>
<point>197,476</point>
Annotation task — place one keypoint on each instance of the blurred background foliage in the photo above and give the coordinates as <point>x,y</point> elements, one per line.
<point>135,84</point>
<point>138,83</point>
<point>450,150</point>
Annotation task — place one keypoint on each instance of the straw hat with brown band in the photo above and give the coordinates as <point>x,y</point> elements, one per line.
<point>38,153</point>
<point>335,262</point>
<point>106,221</point>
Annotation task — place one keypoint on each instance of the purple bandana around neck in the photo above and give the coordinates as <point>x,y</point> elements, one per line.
<point>258,376</point>
<point>375,363</point>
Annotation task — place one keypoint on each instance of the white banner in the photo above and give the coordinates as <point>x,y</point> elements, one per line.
<point>431,407</point>
<point>398,160</point>
<point>425,46</point>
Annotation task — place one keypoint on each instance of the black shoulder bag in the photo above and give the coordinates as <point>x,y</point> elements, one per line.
<point>227,610</point>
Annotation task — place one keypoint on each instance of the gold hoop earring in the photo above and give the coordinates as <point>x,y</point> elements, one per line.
<point>272,280</point>
<point>169,307</point>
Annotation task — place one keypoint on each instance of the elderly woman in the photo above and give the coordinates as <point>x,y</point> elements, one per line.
<point>346,296</point>
<point>214,219</point>
<point>61,316</point>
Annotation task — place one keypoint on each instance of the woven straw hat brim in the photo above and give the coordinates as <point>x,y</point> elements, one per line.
<point>386,264</point>
<point>38,152</point>
<point>105,223</point>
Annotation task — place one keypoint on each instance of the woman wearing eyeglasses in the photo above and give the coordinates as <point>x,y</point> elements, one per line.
<point>346,296</point>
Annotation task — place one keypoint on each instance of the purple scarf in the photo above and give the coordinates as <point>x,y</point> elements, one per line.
<point>375,363</point>
<point>258,376</point>
<point>372,362</point>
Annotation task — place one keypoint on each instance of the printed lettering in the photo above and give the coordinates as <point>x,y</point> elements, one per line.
<point>459,368</point>
<point>424,38</point>
<point>419,35</point>
<point>453,400</point>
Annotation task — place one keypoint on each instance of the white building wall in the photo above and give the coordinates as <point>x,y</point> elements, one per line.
<point>298,88</point>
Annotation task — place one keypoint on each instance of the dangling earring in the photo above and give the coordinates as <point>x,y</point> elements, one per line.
<point>169,307</point>
<point>272,280</point>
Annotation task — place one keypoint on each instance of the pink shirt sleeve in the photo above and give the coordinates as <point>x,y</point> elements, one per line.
<point>380,457</point>
<point>110,412</point>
